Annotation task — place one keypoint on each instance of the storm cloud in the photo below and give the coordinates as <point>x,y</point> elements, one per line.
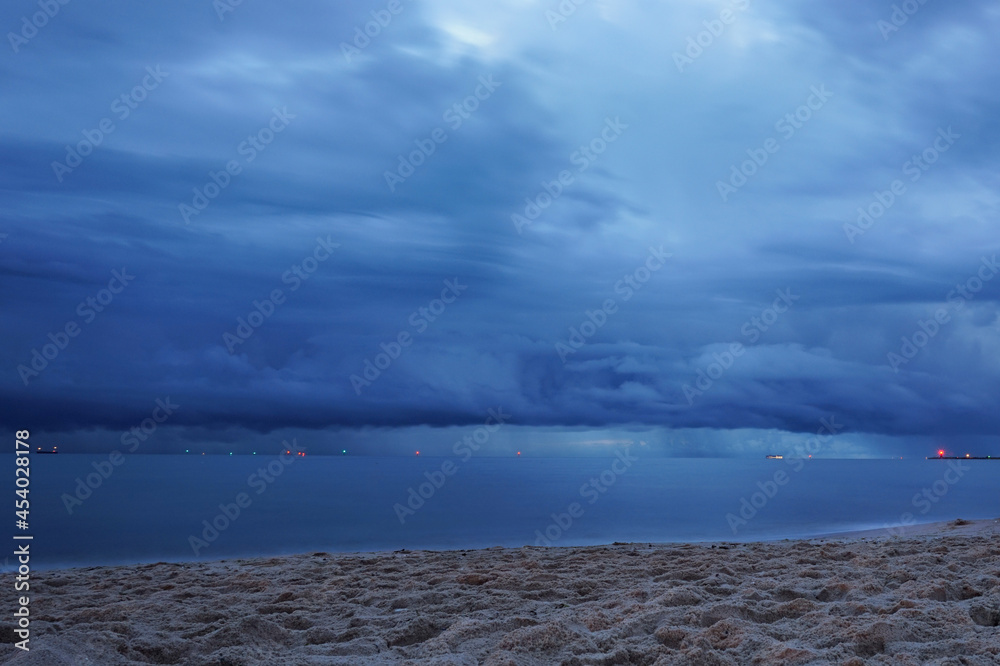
<point>370,223</point>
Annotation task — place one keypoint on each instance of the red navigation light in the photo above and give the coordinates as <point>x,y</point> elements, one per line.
<point>518,453</point>
<point>418,453</point>
<point>941,453</point>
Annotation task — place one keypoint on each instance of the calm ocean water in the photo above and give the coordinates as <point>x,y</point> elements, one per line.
<point>150,506</point>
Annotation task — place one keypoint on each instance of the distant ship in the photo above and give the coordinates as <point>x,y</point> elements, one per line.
<point>52,451</point>
<point>942,456</point>
<point>775,457</point>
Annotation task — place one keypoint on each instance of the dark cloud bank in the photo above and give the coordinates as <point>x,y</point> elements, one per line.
<point>306,297</point>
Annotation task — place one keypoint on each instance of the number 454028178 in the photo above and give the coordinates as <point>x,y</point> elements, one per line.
<point>22,473</point>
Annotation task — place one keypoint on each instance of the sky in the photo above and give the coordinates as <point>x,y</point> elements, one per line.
<point>706,228</point>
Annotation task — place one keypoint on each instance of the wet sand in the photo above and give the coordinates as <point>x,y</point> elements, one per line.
<point>929,597</point>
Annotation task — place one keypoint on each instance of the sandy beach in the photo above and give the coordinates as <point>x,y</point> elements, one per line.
<point>929,597</point>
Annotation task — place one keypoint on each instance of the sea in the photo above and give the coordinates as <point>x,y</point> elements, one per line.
<point>86,511</point>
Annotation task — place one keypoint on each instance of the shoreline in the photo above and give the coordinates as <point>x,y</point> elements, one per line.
<point>956,527</point>
<point>968,527</point>
<point>847,598</point>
